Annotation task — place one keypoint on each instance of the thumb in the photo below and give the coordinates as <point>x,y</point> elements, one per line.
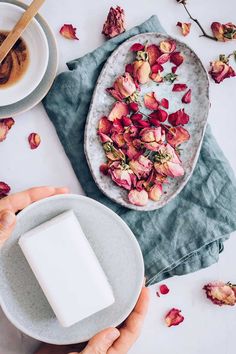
<point>100,343</point>
<point>7,223</point>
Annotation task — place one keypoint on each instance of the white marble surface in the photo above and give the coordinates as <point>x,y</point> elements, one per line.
<point>206,328</point>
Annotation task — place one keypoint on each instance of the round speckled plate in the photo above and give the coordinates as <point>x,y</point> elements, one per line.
<point>43,87</point>
<point>22,299</point>
<point>190,72</point>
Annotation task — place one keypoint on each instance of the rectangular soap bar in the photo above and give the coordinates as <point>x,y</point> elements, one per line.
<point>67,268</point>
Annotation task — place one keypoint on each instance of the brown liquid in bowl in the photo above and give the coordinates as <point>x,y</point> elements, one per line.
<point>15,64</point>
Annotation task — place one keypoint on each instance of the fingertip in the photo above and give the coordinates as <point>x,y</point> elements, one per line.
<point>61,190</point>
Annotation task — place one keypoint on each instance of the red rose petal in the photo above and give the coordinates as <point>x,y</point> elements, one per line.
<point>176,58</point>
<point>174,317</point>
<point>156,68</point>
<point>178,118</point>
<point>68,31</point>
<point>163,59</point>
<point>34,140</point>
<point>164,289</point>
<point>179,87</point>
<point>129,69</point>
<point>159,114</point>
<point>187,97</point>
<point>185,27</point>
<point>104,125</point>
<point>136,117</point>
<point>4,189</point>
<point>164,103</point>
<point>126,121</point>
<point>150,101</point>
<point>177,135</point>
<point>133,106</point>
<point>174,69</point>
<point>3,131</point>
<point>136,47</point>
<point>104,169</point>
<point>8,121</point>
<point>153,53</point>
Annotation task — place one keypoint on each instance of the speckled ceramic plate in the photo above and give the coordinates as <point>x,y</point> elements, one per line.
<point>190,72</point>
<point>22,299</point>
<point>43,87</point>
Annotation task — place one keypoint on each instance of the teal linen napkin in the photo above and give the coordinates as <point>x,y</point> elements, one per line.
<point>188,233</point>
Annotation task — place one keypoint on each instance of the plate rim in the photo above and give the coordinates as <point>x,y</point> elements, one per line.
<point>195,158</point>
<point>134,241</point>
<point>12,110</point>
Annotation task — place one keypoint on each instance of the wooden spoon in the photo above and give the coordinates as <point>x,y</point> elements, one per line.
<point>19,28</point>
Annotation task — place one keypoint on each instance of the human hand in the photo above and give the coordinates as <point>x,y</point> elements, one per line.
<point>18,201</point>
<point>111,340</point>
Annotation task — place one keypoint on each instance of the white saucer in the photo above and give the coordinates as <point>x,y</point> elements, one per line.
<point>37,44</point>
<point>116,248</point>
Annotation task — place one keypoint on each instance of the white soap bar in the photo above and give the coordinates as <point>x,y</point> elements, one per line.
<point>67,269</point>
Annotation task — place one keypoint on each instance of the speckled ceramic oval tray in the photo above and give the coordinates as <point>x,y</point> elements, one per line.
<point>116,248</point>
<point>190,72</point>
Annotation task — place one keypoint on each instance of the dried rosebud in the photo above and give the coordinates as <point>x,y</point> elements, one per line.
<point>185,27</point>
<point>133,106</point>
<point>150,101</point>
<point>153,53</point>
<point>3,131</point>
<point>136,47</point>
<point>220,293</point>
<point>187,96</point>
<point>139,198</point>
<point>178,118</point>
<point>167,46</point>
<point>4,189</point>
<point>112,153</point>
<point>177,58</point>
<point>179,87</point>
<point>34,140</point>
<point>167,162</point>
<point>114,24</point>
<point>223,32</point>
<point>174,317</point>
<point>164,289</point>
<point>155,192</point>
<point>104,125</point>
<point>220,71</point>
<point>177,135</point>
<point>68,31</point>
<point>125,85</point>
<point>119,109</point>
<point>142,71</point>
<point>141,166</point>
<point>123,177</point>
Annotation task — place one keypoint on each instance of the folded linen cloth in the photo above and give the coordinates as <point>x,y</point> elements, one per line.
<point>188,233</point>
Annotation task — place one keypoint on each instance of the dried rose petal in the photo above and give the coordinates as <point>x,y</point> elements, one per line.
<point>136,47</point>
<point>223,32</point>
<point>155,192</point>
<point>163,59</point>
<point>174,69</point>
<point>142,123</point>
<point>179,87</point>
<point>104,125</point>
<point>34,140</point>
<point>185,27</point>
<point>164,103</point>
<point>177,58</point>
<point>139,198</point>
<point>177,135</point>
<point>150,101</point>
<point>174,317</point>
<point>114,24</point>
<point>119,109</point>
<point>117,126</point>
<point>121,176</point>
<point>159,114</point>
<point>104,169</point>
<point>156,77</point>
<point>136,117</point>
<point>4,189</point>
<point>3,131</point>
<point>220,71</point>
<point>178,118</point>
<point>153,53</point>
<point>133,106</point>
<point>220,293</point>
<point>126,121</point>
<point>153,120</point>
<point>68,31</point>
<point>142,71</point>
<point>164,289</point>
<point>129,69</point>
<point>187,96</point>
<point>156,68</point>
<point>141,166</point>
<point>104,138</point>
<point>167,46</point>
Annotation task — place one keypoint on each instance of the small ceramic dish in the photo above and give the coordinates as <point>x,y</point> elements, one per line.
<point>116,248</point>
<point>37,45</point>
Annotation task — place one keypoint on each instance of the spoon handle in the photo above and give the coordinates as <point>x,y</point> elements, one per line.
<point>19,28</point>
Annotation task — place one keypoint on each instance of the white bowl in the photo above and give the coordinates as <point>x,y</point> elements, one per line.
<point>37,44</point>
